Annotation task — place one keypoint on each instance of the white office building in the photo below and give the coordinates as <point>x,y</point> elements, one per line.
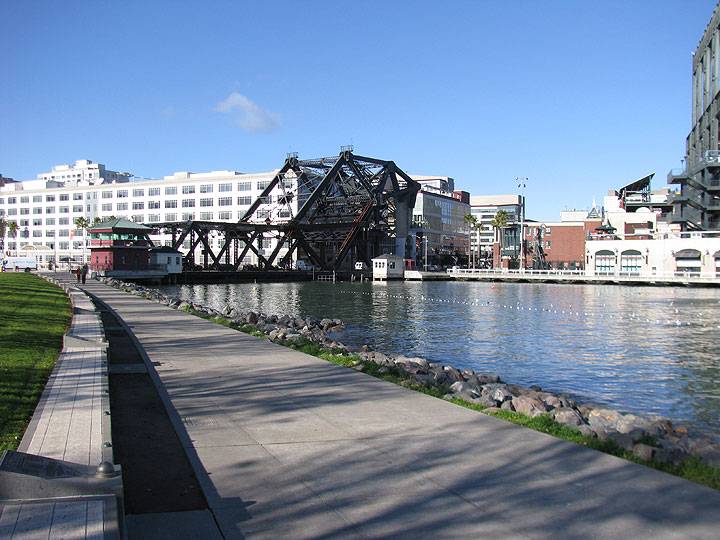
<point>484,208</point>
<point>45,209</point>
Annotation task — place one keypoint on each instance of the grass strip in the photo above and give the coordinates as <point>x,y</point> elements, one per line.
<point>692,469</point>
<point>34,315</point>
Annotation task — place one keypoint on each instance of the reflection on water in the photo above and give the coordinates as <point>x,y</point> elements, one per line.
<point>639,349</point>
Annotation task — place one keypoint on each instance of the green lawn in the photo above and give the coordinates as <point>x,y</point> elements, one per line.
<point>34,315</point>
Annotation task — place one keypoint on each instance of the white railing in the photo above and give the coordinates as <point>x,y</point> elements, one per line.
<point>583,274</point>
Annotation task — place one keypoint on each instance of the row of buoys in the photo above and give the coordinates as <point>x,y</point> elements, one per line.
<point>555,310</point>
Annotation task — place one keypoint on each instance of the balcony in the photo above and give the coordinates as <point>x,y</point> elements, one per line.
<point>678,176</point>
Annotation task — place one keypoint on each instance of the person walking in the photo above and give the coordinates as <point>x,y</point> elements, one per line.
<point>84,273</point>
<point>78,273</point>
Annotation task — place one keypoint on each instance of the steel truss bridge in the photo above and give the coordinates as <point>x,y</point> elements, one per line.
<point>330,211</point>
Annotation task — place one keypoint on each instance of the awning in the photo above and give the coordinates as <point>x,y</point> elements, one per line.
<point>687,254</point>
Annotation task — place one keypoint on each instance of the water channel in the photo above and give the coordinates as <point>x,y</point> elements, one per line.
<point>647,350</point>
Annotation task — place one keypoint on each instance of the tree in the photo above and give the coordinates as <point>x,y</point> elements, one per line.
<point>82,224</point>
<point>3,231</point>
<point>472,222</point>
<point>499,222</point>
<point>12,229</point>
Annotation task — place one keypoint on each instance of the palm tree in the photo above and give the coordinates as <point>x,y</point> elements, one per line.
<point>82,224</point>
<point>472,222</point>
<point>12,229</point>
<point>499,222</point>
<point>3,231</point>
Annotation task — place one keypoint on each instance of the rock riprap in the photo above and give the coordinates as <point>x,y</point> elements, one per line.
<point>647,437</point>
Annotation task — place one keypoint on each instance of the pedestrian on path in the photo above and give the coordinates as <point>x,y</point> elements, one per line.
<point>78,273</point>
<point>84,273</point>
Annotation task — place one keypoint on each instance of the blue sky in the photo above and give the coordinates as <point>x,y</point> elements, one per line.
<point>577,96</point>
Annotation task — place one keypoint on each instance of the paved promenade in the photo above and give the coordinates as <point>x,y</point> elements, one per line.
<point>289,446</point>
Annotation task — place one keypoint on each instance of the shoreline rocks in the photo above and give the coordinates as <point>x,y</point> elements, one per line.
<point>647,437</point>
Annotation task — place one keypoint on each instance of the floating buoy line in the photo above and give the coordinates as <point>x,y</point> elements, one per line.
<point>701,319</point>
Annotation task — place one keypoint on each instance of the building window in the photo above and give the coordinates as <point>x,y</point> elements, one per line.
<point>188,203</point>
<point>605,262</point>
<point>64,233</point>
<point>37,222</point>
<point>225,201</point>
<point>188,216</point>
<point>206,216</point>
<point>153,205</point>
<point>79,207</point>
<point>64,197</point>
<point>263,214</point>
<point>631,262</point>
<point>64,209</point>
<point>138,192</point>
<point>244,186</point>
<point>61,221</point>
<point>79,197</point>
<point>37,234</point>
<point>171,217</point>
<point>206,188</point>
<point>64,245</point>
<point>263,184</point>
<point>188,190</point>
<point>121,206</point>
<point>12,211</point>
<point>50,210</point>
<point>171,190</point>
<point>36,198</point>
<point>154,192</point>
<point>36,211</point>
<point>225,215</point>
<point>171,204</point>
<point>105,195</point>
<point>49,198</point>
<point>138,206</point>
<point>12,200</point>
<point>139,218</point>
<point>122,193</point>
<point>153,218</point>
<point>26,211</point>
<point>26,199</point>
<point>206,202</point>
<point>107,207</point>
<point>244,201</point>
<point>223,188</point>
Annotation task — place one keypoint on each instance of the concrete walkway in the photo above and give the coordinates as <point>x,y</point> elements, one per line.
<point>289,446</point>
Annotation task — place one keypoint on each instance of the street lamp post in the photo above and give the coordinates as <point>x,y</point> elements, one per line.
<point>425,238</point>
<point>522,184</point>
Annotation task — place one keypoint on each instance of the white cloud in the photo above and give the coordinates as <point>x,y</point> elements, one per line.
<point>247,114</point>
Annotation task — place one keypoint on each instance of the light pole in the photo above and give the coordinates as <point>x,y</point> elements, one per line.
<point>425,238</point>
<point>522,184</point>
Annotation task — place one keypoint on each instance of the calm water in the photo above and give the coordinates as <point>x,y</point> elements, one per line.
<point>637,349</point>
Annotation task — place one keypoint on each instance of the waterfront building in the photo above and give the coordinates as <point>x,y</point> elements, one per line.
<point>438,231</point>
<point>560,244</point>
<point>119,246</point>
<point>46,209</point>
<point>697,206</point>
<point>388,267</point>
<point>485,240</point>
<point>661,255</point>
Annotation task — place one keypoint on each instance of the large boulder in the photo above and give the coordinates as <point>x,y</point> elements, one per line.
<point>567,417</point>
<point>603,421</point>
<point>529,406</point>
<point>453,374</point>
